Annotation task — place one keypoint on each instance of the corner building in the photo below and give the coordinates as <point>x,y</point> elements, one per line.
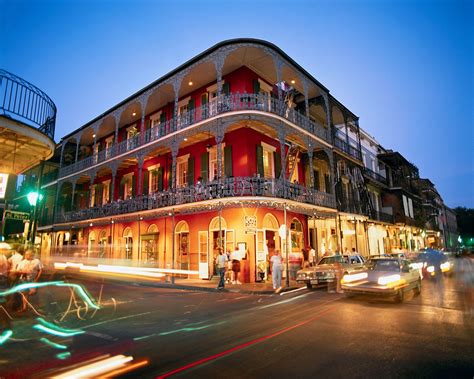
<point>223,150</point>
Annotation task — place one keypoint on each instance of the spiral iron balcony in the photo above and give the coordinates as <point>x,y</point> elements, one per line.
<point>223,104</point>
<point>27,123</point>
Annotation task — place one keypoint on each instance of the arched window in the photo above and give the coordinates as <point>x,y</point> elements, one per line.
<point>182,245</point>
<point>128,243</point>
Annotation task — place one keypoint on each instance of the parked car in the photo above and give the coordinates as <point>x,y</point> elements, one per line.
<point>324,271</point>
<point>383,277</point>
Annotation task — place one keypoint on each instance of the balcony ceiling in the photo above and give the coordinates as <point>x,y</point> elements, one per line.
<point>22,147</point>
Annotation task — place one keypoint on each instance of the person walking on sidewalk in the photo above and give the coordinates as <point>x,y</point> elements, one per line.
<point>277,267</point>
<point>236,257</point>
<point>221,261</point>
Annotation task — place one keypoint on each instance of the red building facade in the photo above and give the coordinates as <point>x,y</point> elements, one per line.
<point>222,151</point>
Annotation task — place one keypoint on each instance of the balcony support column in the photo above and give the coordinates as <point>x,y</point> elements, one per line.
<point>306,100</point>
<point>176,86</point>
<point>347,133</point>
<point>141,160</point>
<point>278,62</point>
<point>112,183</point>
<point>332,171</point>
<point>311,169</point>
<point>73,193</point>
<point>282,138</point>
<point>78,143</point>
<point>358,138</point>
<point>143,102</point>
<point>219,139</point>
<point>219,63</point>
<point>89,198</point>
<point>117,114</point>
<point>329,124</point>
<point>174,155</point>
<point>62,155</point>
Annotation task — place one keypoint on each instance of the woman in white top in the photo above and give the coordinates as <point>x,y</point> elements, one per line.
<point>277,267</point>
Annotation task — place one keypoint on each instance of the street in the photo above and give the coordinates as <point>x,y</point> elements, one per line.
<point>303,334</point>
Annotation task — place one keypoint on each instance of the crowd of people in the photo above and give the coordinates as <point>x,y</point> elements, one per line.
<point>19,266</point>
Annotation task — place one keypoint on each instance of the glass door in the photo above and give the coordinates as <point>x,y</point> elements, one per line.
<point>203,255</point>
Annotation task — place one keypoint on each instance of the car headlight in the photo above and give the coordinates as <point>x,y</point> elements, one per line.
<point>446,266</point>
<point>349,278</point>
<point>384,280</point>
<point>430,269</point>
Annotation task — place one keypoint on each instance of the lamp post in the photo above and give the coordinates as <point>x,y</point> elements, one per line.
<point>33,198</point>
<point>283,232</point>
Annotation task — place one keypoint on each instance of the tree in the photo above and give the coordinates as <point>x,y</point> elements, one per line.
<point>465,220</point>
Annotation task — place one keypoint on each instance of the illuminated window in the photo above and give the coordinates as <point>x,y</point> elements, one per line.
<point>106,192</point>
<point>182,171</point>
<point>268,160</point>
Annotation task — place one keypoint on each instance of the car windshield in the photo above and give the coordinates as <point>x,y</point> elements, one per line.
<point>384,265</point>
<point>331,260</point>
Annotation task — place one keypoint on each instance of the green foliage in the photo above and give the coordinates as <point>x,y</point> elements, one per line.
<point>465,219</point>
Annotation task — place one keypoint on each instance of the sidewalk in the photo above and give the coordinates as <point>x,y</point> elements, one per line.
<point>265,288</point>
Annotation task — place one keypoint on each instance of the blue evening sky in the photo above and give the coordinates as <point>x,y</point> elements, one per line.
<point>404,67</point>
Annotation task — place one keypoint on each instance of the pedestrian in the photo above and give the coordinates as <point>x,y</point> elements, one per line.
<point>221,261</point>
<point>312,256</point>
<point>277,268</point>
<point>30,270</point>
<point>236,258</point>
<point>13,263</point>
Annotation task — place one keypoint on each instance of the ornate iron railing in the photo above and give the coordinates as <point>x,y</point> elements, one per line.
<point>25,103</point>
<point>347,148</point>
<point>381,216</point>
<point>376,176</point>
<point>218,106</point>
<point>229,187</point>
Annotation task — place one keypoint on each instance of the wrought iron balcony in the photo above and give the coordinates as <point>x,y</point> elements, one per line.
<point>221,105</point>
<point>230,187</point>
<point>25,103</point>
<point>347,148</point>
<point>376,176</point>
<point>381,216</point>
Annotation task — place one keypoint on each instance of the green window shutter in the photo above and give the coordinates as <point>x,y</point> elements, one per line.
<point>277,160</point>
<point>205,167</point>
<point>327,183</point>
<point>260,160</point>
<point>99,189</point>
<point>316,180</point>
<point>256,86</point>
<point>191,105</point>
<point>228,161</point>
<point>133,185</point>
<point>190,176</point>
<point>226,89</point>
<point>163,117</point>
<point>170,176</point>
<point>111,195</point>
<point>204,99</point>
<point>160,178</point>
<point>121,189</point>
<point>146,180</point>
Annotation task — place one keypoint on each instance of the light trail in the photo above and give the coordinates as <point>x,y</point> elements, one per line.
<point>244,345</point>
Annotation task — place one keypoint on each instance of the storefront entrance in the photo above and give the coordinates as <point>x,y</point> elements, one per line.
<point>149,247</point>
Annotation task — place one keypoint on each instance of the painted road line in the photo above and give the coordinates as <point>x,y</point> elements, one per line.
<point>284,301</point>
<point>296,290</point>
<point>116,319</point>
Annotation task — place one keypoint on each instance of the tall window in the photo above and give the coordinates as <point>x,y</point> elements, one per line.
<point>108,145</point>
<point>268,160</point>
<point>182,171</point>
<point>154,123</point>
<point>296,231</point>
<point>106,192</point>
<point>213,174</point>
<point>153,179</point>
<point>128,186</point>
<point>92,190</point>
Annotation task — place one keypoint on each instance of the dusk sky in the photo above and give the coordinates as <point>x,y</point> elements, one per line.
<point>404,67</point>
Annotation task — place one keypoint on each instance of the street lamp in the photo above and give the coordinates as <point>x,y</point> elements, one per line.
<point>33,198</point>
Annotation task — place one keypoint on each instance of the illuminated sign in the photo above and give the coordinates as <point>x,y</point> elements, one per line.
<point>13,215</point>
<point>3,185</point>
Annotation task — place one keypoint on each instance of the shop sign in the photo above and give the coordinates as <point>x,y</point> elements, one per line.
<point>14,215</point>
<point>250,224</point>
<point>3,185</point>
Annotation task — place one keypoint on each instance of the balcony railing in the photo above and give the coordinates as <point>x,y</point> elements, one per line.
<point>222,104</point>
<point>376,176</point>
<point>347,148</point>
<point>381,216</point>
<point>230,187</point>
<point>25,103</point>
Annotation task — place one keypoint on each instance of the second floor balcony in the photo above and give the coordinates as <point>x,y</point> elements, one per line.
<point>220,106</point>
<point>347,148</point>
<point>375,176</point>
<point>252,187</point>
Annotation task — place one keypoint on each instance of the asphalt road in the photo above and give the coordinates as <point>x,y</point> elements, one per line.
<point>304,334</point>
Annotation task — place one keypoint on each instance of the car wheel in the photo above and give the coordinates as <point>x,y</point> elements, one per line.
<point>400,296</point>
<point>417,288</point>
<point>309,286</point>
